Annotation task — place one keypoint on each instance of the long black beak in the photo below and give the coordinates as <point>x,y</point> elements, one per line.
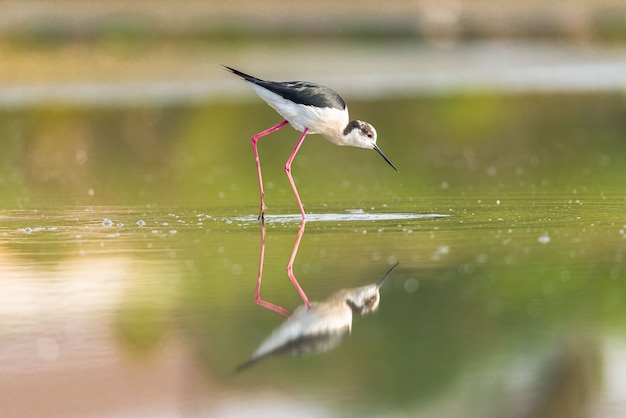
<point>381,281</point>
<point>383,155</point>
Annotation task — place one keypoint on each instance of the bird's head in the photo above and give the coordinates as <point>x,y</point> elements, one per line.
<point>365,299</point>
<point>363,135</point>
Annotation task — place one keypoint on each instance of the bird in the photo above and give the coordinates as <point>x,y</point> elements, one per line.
<point>322,326</point>
<point>311,109</point>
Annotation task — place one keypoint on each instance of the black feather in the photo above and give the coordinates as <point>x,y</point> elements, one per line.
<point>301,92</point>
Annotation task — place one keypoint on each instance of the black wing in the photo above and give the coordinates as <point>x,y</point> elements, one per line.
<point>302,92</point>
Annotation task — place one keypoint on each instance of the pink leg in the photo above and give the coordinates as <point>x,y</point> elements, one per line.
<point>257,295</point>
<point>255,139</point>
<point>292,277</point>
<point>293,184</point>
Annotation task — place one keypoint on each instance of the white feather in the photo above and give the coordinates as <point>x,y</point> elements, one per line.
<point>306,322</point>
<point>329,122</point>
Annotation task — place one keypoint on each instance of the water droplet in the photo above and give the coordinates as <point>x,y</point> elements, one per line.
<point>544,239</point>
<point>411,285</point>
<point>107,223</point>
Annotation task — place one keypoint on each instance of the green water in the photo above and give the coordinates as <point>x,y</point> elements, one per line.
<point>129,245</point>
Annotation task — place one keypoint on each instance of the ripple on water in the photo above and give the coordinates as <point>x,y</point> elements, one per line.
<point>358,216</point>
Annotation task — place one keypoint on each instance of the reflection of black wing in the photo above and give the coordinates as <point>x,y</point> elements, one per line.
<point>310,344</point>
<point>302,92</point>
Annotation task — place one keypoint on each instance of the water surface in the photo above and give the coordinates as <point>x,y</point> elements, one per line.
<point>129,252</point>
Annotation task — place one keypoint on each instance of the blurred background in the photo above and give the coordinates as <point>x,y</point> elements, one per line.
<point>139,85</point>
<point>129,247</point>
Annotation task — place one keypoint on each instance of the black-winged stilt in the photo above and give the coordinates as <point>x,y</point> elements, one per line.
<point>311,109</point>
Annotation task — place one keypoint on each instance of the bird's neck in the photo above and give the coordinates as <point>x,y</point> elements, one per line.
<point>336,136</point>
<point>333,125</point>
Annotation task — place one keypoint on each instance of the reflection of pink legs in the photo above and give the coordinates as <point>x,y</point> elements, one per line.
<point>293,257</point>
<point>293,184</point>
<point>294,252</point>
<point>257,295</point>
<point>255,139</point>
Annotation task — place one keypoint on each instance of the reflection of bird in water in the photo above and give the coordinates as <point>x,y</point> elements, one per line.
<point>321,327</point>
<point>311,109</point>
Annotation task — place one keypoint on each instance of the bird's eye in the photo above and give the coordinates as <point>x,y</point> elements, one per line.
<point>369,135</point>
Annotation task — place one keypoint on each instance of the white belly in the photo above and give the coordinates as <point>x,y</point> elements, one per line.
<point>326,121</point>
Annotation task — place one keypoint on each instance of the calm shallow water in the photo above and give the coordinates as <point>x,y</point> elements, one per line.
<point>130,250</point>
<point>494,297</point>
